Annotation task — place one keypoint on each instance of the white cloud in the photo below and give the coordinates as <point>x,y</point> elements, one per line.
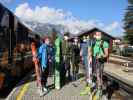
<point>58,16</point>
<point>112,26</point>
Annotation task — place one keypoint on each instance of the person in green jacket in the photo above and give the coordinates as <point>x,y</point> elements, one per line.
<point>66,55</point>
<point>57,44</point>
<point>98,55</point>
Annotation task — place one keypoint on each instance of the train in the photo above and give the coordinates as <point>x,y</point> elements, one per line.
<point>15,48</point>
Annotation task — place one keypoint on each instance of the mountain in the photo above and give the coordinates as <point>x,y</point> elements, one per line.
<point>46,29</point>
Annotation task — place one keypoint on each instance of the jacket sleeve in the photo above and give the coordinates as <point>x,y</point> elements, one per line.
<point>40,52</point>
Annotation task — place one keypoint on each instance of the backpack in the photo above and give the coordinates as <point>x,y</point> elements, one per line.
<point>103,59</point>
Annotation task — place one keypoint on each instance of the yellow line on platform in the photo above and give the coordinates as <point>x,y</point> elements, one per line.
<point>22,91</point>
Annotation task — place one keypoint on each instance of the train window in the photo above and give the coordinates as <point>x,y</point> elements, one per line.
<point>4,37</point>
<point>4,48</point>
<point>1,33</point>
<point>5,19</point>
<point>0,52</point>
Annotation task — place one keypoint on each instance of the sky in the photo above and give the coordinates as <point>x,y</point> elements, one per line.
<point>76,14</point>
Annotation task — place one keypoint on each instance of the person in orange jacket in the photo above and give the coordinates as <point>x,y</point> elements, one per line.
<point>37,65</point>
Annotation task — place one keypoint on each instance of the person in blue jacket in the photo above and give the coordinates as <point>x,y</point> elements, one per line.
<point>43,58</point>
<point>88,68</point>
<point>51,52</point>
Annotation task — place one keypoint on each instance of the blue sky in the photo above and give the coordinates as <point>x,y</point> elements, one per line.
<point>107,12</point>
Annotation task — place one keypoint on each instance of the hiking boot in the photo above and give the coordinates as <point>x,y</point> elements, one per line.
<point>57,87</point>
<point>98,95</point>
<point>76,77</point>
<point>86,91</point>
<point>70,78</point>
<point>41,92</point>
<point>93,87</point>
<point>45,89</point>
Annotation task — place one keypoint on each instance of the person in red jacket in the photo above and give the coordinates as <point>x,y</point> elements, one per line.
<point>37,66</point>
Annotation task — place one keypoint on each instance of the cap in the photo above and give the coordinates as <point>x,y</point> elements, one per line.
<point>66,34</point>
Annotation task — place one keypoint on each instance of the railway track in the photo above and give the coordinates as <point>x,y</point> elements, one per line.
<point>122,57</point>
<point>127,87</point>
<point>124,61</point>
<point>119,84</point>
<point>115,85</point>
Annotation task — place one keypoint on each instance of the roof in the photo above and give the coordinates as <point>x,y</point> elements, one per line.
<point>93,30</point>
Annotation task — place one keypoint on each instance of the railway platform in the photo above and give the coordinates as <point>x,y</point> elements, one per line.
<point>27,89</point>
<point>117,71</point>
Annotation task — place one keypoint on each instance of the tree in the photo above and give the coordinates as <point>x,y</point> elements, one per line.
<point>128,22</point>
